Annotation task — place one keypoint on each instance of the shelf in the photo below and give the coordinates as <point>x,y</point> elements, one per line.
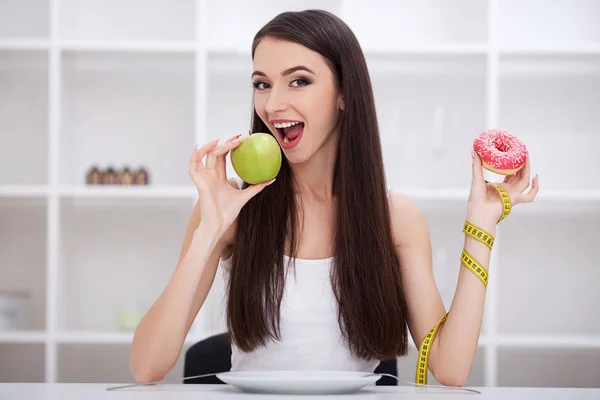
<point>23,191</point>
<point>129,191</point>
<point>23,117</point>
<point>24,19</point>
<point>23,336</point>
<point>550,49</point>
<point>128,248</point>
<point>127,20</point>
<point>102,363</point>
<point>551,104</point>
<point>23,259</point>
<point>548,367</point>
<point>141,46</point>
<point>106,337</point>
<point>407,22</point>
<point>23,44</point>
<point>23,362</point>
<point>424,129</point>
<point>134,110</point>
<point>549,341</point>
<point>547,275</point>
<point>548,22</point>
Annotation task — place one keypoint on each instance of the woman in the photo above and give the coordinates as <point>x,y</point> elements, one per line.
<point>363,268</point>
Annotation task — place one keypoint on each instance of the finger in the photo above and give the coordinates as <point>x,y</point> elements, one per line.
<point>511,180</point>
<point>477,169</point>
<point>225,148</point>
<point>524,179</point>
<point>253,190</point>
<point>221,156</point>
<point>211,159</point>
<point>194,159</point>
<point>233,138</point>
<point>529,196</point>
<point>198,154</point>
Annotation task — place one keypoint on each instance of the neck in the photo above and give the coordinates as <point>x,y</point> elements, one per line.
<point>315,177</point>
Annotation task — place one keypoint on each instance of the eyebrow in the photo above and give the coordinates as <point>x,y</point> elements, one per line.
<point>287,71</point>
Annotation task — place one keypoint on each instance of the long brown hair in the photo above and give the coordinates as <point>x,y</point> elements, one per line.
<point>366,275</point>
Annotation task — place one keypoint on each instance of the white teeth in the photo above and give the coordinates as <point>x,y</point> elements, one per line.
<point>285,124</point>
<point>286,140</point>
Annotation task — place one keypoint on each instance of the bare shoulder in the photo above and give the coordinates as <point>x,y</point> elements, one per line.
<point>409,225</point>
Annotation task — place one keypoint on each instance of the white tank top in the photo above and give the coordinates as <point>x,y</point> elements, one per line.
<point>310,334</point>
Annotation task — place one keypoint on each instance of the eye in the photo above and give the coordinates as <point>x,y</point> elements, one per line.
<point>258,85</point>
<point>300,82</point>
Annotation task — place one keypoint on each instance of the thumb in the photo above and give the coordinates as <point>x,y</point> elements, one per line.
<point>477,169</point>
<point>255,189</point>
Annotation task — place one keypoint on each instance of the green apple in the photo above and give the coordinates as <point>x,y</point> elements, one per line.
<point>257,158</point>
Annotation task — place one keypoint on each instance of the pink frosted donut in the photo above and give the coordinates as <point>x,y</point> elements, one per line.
<point>500,151</point>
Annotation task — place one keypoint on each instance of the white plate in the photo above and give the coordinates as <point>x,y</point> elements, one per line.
<point>299,382</point>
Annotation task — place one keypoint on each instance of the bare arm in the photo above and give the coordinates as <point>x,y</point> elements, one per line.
<point>455,343</point>
<point>161,333</point>
<point>453,349</point>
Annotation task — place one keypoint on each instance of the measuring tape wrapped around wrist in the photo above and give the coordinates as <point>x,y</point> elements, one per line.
<point>505,199</point>
<point>478,234</point>
<point>467,259</point>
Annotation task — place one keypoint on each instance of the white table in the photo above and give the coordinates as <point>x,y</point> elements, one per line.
<point>94,391</point>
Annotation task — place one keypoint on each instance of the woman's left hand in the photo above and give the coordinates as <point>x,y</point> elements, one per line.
<point>485,205</point>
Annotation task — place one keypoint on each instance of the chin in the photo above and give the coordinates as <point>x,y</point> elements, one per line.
<point>297,155</point>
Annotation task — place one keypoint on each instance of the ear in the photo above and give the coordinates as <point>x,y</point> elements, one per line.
<point>341,102</point>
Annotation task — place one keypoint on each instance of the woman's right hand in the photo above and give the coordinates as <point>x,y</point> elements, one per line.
<point>219,203</point>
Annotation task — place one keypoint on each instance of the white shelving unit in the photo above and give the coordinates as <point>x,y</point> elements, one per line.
<point>137,83</point>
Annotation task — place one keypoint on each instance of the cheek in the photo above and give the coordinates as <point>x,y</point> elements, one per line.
<point>324,112</point>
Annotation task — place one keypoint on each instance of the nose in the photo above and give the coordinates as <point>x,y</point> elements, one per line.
<point>276,101</point>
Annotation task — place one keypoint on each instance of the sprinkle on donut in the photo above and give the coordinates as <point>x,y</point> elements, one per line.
<point>500,150</point>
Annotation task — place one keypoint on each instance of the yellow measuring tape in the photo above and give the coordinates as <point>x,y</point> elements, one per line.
<point>475,267</point>
<point>423,358</point>
<point>472,264</point>
<point>505,198</point>
<point>478,234</point>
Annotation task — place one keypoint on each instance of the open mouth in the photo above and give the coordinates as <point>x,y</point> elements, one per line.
<point>290,134</point>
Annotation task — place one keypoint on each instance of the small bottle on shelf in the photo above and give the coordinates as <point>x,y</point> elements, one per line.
<point>110,177</point>
<point>141,177</point>
<point>94,176</point>
<point>125,176</point>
